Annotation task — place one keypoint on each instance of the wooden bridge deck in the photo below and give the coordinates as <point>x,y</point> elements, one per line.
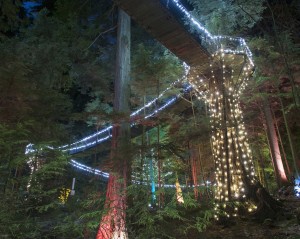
<point>162,24</point>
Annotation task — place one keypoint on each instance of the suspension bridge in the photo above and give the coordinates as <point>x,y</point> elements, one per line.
<point>217,69</point>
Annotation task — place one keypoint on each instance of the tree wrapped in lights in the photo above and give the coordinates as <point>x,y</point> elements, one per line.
<point>231,150</point>
<point>221,88</point>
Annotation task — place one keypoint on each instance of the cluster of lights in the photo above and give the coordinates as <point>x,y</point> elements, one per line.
<point>236,158</point>
<point>29,149</point>
<point>64,194</point>
<point>221,90</point>
<point>251,207</point>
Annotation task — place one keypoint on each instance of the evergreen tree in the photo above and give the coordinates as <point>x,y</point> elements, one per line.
<point>228,17</point>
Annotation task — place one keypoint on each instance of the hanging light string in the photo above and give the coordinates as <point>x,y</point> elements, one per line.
<point>136,112</point>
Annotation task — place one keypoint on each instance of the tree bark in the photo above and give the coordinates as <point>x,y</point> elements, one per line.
<point>274,146</point>
<point>113,224</point>
<point>281,144</point>
<point>290,140</point>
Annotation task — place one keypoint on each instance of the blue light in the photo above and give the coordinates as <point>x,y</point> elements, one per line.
<point>297,187</point>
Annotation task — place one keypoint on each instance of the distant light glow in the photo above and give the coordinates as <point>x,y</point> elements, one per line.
<point>297,187</point>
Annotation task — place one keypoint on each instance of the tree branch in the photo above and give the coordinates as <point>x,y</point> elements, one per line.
<point>101,33</point>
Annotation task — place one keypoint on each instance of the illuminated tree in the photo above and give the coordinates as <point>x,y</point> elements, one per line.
<point>235,175</point>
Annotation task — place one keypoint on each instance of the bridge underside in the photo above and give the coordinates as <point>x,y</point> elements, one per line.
<point>160,21</point>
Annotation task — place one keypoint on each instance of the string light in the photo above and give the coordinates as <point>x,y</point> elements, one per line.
<point>105,175</point>
<point>88,169</point>
<point>297,187</point>
<point>215,41</point>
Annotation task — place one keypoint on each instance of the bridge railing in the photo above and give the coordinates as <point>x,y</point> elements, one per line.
<point>211,43</point>
<point>152,108</point>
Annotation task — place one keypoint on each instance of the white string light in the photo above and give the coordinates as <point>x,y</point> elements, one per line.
<point>215,40</point>
<point>88,169</point>
<point>98,172</point>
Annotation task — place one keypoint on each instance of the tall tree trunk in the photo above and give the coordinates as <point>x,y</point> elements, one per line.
<point>274,146</point>
<point>281,144</point>
<point>194,170</point>
<point>284,55</point>
<point>290,140</point>
<point>262,166</point>
<point>113,224</point>
<point>159,160</point>
<point>200,163</point>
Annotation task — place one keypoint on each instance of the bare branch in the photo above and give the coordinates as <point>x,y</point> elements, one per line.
<point>101,33</point>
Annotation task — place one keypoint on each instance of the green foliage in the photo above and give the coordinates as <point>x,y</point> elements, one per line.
<point>81,216</point>
<point>12,157</point>
<point>9,16</point>
<point>32,196</point>
<point>203,221</point>
<point>171,221</point>
<point>98,112</point>
<point>154,68</point>
<point>228,17</point>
